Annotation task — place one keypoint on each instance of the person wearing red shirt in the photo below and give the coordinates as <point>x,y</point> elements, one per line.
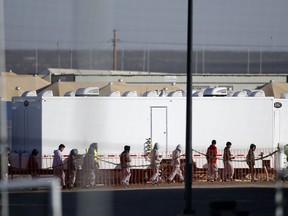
<point>211,156</point>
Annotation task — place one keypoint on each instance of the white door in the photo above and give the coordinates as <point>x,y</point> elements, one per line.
<point>159,127</point>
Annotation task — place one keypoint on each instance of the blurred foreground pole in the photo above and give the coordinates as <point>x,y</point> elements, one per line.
<point>4,211</point>
<point>188,159</point>
<point>280,178</point>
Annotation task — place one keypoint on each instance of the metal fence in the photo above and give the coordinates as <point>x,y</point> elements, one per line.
<point>207,59</point>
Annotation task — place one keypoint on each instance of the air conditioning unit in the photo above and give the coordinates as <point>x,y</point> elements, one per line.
<point>197,94</point>
<point>215,92</point>
<point>89,91</point>
<point>70,94</point>
<point>114,94</point>
<point>284,95</point>
<point>130,94</point>
<point>48,93</point>
<point>32,93</point>
<point>150,94</point>
<point>177,93</point>
<point>257,93</point>
<point>240,94</point>
<point>230,94</point>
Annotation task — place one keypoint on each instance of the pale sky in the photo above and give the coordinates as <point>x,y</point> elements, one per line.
<point>145,23</point>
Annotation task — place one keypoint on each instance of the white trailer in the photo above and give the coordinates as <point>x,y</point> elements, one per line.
<point>45,122</point>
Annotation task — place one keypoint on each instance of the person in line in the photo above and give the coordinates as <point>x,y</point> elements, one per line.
<point>286,151</point>
<point>250,159</point>
<point>91,165</point>
<point>211,156</point>
<point>96,159</point>
<point>227,160</point>
<point>155,160</point>
<point>125,161</point>
<point>175,163</point>
<point>58,165</point>
<point>72,168</point>
<point>5,161</point>
<point>32,165</point>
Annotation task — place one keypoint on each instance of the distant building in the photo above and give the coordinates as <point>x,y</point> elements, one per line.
<point>233,82</point>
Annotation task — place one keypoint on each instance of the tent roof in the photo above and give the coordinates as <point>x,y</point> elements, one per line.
<point>61,71</point>
<point>275,89</point>
<point>60,88</point>
<point>16,85</point>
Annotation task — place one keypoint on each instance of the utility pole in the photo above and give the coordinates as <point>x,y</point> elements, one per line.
<point>114,49</point>
<point>36,61</point>
<point>59,57</point>
<point>71,59</point>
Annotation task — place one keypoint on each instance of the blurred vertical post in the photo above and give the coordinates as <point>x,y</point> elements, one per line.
<point>188,159</point>
<point>279,198</point>
<point>3,115</point>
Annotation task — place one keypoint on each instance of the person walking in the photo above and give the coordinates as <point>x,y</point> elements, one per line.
<point>96,162</point>
<point>58,165</point>
<point>155,160</point>
<point>286,151</point>
<point>125,161</point>
<point>227,160</point>
<point>72,168</point>
<point>250,159</point>
<point>91,165</point>
<point>175,163</point>
<point>211,156</point>
<point>4,164</point>
<point>32,165</point>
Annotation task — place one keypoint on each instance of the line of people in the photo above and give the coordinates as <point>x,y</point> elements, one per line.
<point>90,166</point>
<point>155,160</point>
<point>211,156</point>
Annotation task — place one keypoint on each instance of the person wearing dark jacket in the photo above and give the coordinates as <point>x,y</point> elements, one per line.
<point>32,165</point>
<point>125,166</point>
<point>250,159</point>
<point>72,168</point>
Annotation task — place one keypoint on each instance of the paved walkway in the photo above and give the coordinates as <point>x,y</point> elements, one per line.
<point>203,184</point>
<point>163,200</point>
